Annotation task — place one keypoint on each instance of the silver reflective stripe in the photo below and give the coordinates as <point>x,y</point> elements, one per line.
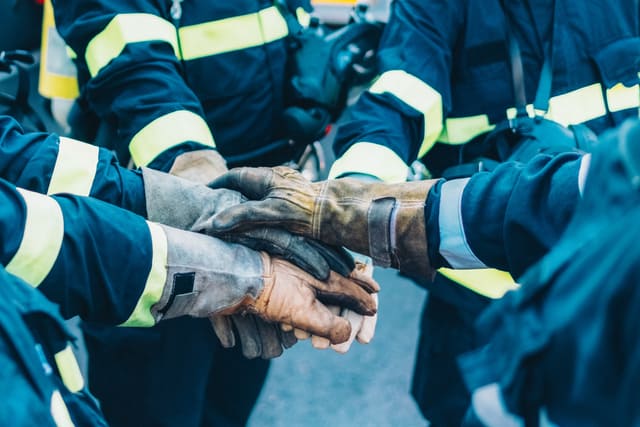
<point>371,159</point>
<point>75,168</point>
<point>417,95</point>
<point>583,172</point>
<point>156,279</point>
<point>489,407</point>
<point>41,240</point>
<point>453,241</point>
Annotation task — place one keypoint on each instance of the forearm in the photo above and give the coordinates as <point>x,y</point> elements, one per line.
<point>49,164</point>
<point>506,219</point>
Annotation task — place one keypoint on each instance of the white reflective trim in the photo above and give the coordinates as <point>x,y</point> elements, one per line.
<point>41,240</point>
<point>141,315</point>
<point>419,96</point>
<point>585,162</point>
<point>371,159</point>
<point>168,131</point>
<point>59,411</point>
<point>231,34</point>
<point>75,168</point>
<point>453,241</point>
<point>124,29</point>
<point>490,408</point>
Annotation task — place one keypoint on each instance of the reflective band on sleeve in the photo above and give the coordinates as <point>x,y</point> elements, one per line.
<point>41,241</point>
<point>372,159</point>
<point>419,96</point>
<point>230,34</point>
<point>453,241</point>
<point>486,282</point>
<point>168,131</point>
<point>75,168</point>
<point>69,370</point>
<point>124,29</point>
<point>141,315</point>
<point>303,17</point>
<point>571,108</point>
<point>585,162</point>
<point>59,411</point>
<point>460,130</point>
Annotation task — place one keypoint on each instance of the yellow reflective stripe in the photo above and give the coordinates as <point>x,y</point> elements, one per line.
<point>303,17</point>
<point>168,131</point>
<point>52,84</point>
<point>69,370</point>
<point>621,97</point>
<point>459,130</point>
<point>487,282</point>
<point>141,315</point>
<point>124,29</point>
<point>235,33</point>
<point>75,168</point>
<point>372,159</point>
<point>59,411</point>
<point>578,106</point>
<point>419,96</point>
<point>41,240</point>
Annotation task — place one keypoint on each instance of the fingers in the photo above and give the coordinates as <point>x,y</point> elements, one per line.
<point>338,259</point>
<point>319,321</point>
<point>363,275</point>
<point>224,330</point>
<point>321,343</point>
<point>301,335</point>
<point>368,328</point>
<point>342,291</point>
<point>355,320</point>
<point>252,182</point>
<point>270,338</point>
<point>252,214</point>
<point>249,335</point>
<point>288,339</point>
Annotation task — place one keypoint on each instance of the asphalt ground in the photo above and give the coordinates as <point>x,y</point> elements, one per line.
<point>369,386</point>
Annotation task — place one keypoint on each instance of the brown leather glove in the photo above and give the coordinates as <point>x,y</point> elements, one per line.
<point>383,221</point>
<point>205,276</point>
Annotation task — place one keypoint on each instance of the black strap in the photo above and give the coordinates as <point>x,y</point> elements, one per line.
<point>543,91</point>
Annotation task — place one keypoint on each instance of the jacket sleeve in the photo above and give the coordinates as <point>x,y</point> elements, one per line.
<point>400,117</point>
<point>50,164</point>
<point>93,259</point>
<point>130,75</point>
<point>506,219</point>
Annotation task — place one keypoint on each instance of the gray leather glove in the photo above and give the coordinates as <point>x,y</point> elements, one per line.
<point>206,276</point>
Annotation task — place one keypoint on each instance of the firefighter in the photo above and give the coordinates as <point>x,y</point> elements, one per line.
<point>454,77</point>
<point>562,348</point>
<point>115,267</point>
<point>186,88</point>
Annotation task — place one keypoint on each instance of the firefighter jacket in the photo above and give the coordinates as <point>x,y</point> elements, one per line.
<point>445,78</point>
<point>171,76</point>
<point>445,75</point>
<point>78,250</point>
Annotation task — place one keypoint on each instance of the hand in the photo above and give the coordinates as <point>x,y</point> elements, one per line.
<point>383,221</point>
<point>206,276</point>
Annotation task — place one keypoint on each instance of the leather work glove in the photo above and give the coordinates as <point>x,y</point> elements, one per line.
<point>206,276</point>
<point>383,221</point>
<point>200,166</point>
<point>186,205</point>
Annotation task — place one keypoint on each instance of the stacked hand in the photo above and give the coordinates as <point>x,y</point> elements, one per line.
<point>187,205</point>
